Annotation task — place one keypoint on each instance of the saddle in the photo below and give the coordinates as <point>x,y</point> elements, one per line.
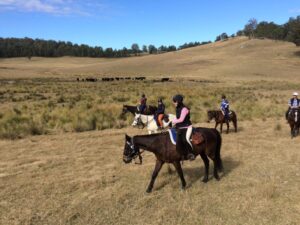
<point>196,137</point>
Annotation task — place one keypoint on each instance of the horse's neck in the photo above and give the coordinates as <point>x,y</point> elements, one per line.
<point>145,142</point>
<point>132,109</point>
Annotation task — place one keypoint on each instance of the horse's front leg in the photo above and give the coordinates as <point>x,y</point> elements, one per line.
<point>157,168</point>
<point>221,127</point>
<point>292,131</point>
<point>180,173</point>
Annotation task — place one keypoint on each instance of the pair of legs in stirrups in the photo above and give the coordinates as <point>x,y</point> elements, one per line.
<point>183,143</point>
<point>158,118</point>
<point>142,108</point>
<point>226,114</point>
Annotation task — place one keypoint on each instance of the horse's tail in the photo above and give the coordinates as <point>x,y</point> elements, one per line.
<point>218,159</point>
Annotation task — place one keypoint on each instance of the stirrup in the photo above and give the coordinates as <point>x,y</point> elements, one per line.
<point>191,156</point>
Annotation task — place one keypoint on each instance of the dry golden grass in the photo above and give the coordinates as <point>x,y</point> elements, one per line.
<point>79,178</point>
<point>235,59</point>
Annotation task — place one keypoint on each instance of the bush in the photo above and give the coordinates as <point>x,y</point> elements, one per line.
<point>13,126</point>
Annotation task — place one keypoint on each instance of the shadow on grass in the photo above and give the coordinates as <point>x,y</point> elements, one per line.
<point>197,173</point>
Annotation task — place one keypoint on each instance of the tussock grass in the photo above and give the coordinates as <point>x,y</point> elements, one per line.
<point>78,107</point>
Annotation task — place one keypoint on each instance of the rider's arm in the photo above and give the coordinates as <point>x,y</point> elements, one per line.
<point>183,114</point>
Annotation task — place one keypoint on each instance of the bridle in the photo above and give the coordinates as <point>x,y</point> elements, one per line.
<point>134,153</point>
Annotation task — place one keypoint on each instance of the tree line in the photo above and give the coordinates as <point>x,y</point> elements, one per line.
<point>28,47</point>
<point>290,31</point>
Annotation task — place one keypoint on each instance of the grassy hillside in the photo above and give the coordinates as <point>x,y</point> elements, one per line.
<point>235,59</point>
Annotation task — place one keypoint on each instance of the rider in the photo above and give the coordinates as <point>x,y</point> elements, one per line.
<point>159,114</point>
<point>225,107</point>
<point>294,103</point>
<point>143,103</point>
<point>183,126</point>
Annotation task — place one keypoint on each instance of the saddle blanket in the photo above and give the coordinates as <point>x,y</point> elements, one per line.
<point>172,133</point>
<point>195,139</point>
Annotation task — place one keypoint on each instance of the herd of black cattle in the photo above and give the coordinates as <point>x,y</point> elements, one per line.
<point>107,79</point>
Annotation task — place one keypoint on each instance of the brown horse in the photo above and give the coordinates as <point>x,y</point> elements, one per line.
<point>150,110</point>
<point>220,119</point>
<point>165,152</point>
<point>294,121</point>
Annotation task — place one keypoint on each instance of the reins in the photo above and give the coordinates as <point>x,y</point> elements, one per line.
<point>139,153</point>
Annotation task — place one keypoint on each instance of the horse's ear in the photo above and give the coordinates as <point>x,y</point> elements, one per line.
<point>127,137</point>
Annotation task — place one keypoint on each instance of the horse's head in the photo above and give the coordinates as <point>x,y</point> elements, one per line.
<point>210,115</point>
<point>130,150</point>
<point>124,110</point>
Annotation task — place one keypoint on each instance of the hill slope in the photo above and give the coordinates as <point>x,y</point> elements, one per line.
<point>237,58</point>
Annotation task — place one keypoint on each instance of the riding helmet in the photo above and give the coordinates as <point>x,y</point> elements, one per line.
<point>223,96</point>
<point>178,98</point>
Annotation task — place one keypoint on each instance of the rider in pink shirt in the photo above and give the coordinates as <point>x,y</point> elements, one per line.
<point>183,126</point>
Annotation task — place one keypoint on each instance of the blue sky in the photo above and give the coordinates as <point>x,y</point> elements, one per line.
<point>119,23</point>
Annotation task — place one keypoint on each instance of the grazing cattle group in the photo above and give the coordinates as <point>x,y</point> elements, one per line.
<point>108,79</point>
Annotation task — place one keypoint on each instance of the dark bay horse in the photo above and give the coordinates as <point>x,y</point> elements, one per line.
<point>150,110</point>
<point>161,146</point>
<point>294,121</point>
<point>220,119</point>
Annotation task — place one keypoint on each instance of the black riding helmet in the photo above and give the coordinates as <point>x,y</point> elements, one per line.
<point>223,96</point>
<point>143,95</point>
<point>178,98</point>
<point>159,100</point>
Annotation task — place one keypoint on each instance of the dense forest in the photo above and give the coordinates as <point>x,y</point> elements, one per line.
<point>28,47</point>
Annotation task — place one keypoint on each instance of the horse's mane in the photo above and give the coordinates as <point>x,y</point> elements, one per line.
<point>153,135</point>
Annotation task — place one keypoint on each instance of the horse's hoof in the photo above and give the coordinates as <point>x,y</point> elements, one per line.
<point>205,180</point>
<point>217,178</point>
<point>149,190</point>
<point>183,188</point>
